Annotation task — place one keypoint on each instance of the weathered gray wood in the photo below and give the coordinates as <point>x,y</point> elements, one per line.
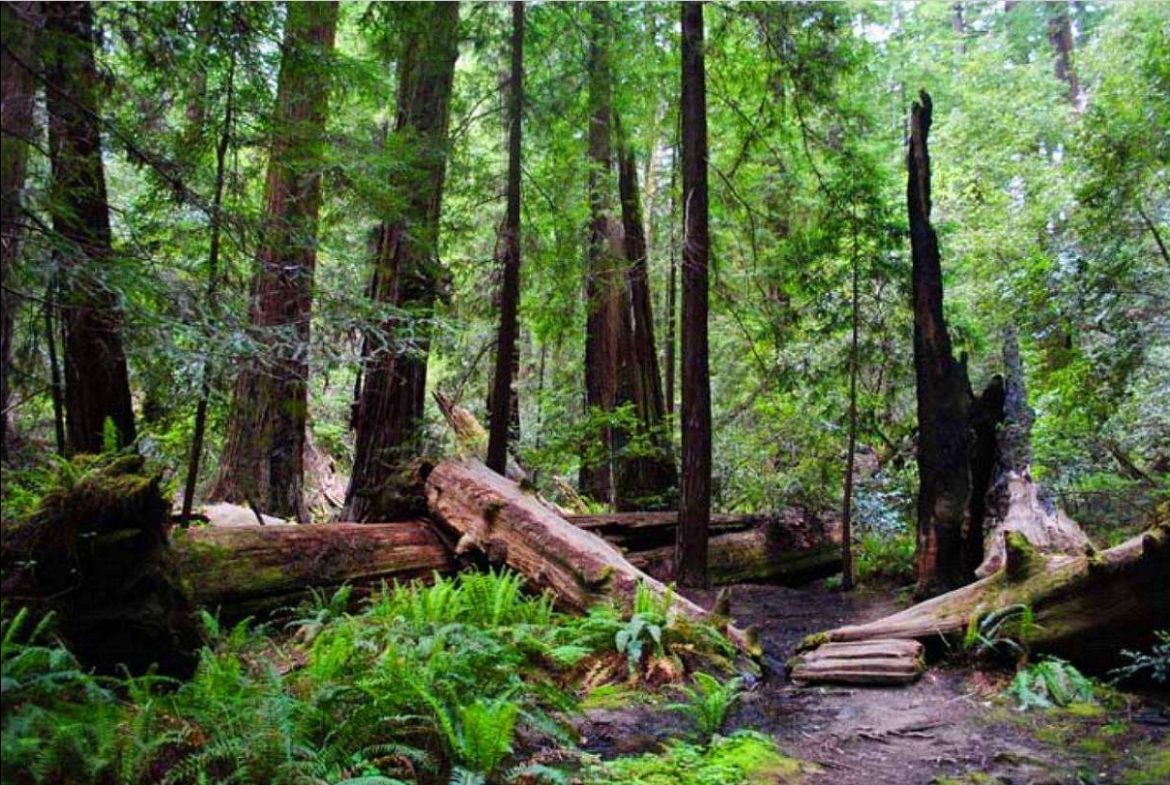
<point>878,662</point>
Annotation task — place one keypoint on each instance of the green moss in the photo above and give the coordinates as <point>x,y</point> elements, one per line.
<point>1085,710</point>
<point>968,778</point>
<point>1094,746</point>
<point>812,641</point>
<point>1151,766</point>
<point>745,758</point>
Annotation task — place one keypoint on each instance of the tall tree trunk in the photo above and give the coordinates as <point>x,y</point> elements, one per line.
<point>97,383</point>
<point>20,22</point>
<point>263,455</point>
<point>695,503</point>
<point>506,356</point>
<point>216,219</point>
<point>943,392</point>
<point>390,410</point>
<point>847,505</point>
<point>643,481</point>
<point>959,28</point>
<point>672,291</point>
<point>604,289</point>
<point>1061,37</point>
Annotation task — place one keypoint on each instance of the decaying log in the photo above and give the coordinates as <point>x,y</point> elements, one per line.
<point>252,569</point>
<point>1015,501</point>
<point>497,517</point>
<point>768,552</point>
<point>1085,607</point>
<point>878,662</point>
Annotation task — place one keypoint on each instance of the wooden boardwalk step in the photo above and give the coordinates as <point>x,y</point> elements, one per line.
<point>877,662</point>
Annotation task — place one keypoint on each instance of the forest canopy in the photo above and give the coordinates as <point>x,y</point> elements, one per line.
<point>1050,160</point>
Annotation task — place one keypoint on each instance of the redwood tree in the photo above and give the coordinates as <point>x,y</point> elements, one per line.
<point>263,456</point>
<point>389,410</point>
<point>695,504</point>
<point>643,481</point>
<point>502,398</point>
<point>97,383</point>
<point>18,26</point>
<point>604,290</point>
<point>943,392</point>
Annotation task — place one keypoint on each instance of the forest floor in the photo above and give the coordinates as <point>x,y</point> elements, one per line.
<point>950,728</point>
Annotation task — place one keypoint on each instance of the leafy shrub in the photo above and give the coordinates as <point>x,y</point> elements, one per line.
<point>1050,683</point>
<point>884,558</point>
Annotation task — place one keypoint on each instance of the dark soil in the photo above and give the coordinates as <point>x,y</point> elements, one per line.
<point>950,724</point>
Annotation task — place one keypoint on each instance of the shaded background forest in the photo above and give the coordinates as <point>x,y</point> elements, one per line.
<point>1051,161</point>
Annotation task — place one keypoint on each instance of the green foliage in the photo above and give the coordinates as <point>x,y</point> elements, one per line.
<point>744,758</point>
<point>1155,662</point>
<point>884,558</point>
<point>1003,632</point>
<point>708,702</point>
<point>1050,683</point>
<point>425,681</point>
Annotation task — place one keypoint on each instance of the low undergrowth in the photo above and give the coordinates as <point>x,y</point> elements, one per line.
<point>457,681</point>
<point>744,758</point>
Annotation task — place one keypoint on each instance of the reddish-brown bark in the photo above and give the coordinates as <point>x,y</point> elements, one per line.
<point>390,406</point>
<point>695,502</point>
<point>97,382</point>
<point>263,457</point>
<point>642,481</point>
<point>503,401</point>
<point>19,29</point>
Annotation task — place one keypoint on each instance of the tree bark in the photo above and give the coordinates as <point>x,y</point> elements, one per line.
<point>604,289</point>
<point>502,398</point>
<point>263,568</point>
<point>19,28</point>
<point>643,481</point>
<point>406,275</point>
<point>1015,502</point>
<point>494,516</point>
<point>695,502</point>
<point>97,382</point>
<point>943,392</point>
<point>1061,38</point>
<point>263,456</point>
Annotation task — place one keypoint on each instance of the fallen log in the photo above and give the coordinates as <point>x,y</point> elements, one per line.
<point>1085,607</point>
<point>497,517</point>
<point>245,570</point>
<point>766,553</point>
<point>879,662</point>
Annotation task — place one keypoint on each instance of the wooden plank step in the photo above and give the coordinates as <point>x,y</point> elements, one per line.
<point>879,662</point>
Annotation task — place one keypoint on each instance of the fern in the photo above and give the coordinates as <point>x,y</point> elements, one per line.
<point>709,702</point>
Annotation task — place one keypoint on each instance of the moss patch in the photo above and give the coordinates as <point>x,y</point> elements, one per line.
<point>745,758</point>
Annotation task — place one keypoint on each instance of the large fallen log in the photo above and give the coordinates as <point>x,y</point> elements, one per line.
<point>1085,607</point>
<point>767,553</point>
<point>244,570</point>
<point>497,517</point>
<point>879,662</point>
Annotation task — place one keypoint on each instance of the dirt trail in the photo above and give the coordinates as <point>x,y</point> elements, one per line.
<point>946,725</point>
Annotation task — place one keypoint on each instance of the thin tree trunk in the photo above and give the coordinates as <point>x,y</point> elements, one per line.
<point>215,218</point>
<point>643,481</point>
<point>959,28</point>
<point>847,505</point>
<point>603,286</point>
<point>263,456</point>
<point>943,392</point>
<point>1061,37</point>
<point>695,503</point>
<point>17,89</point>
<point>56,390</point>
<point>390,411</point>
<point>506,356</point>
<point>97,382</point>
<point>671,293</point>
